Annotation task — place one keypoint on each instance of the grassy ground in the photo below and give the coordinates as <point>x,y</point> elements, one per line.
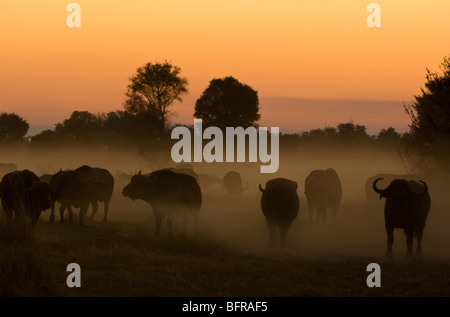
<point>230,257</point>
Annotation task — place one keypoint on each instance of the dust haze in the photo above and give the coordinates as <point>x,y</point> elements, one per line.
<point>236,221</point>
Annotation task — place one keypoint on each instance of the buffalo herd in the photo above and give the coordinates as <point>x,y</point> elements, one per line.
<point>177,193</point>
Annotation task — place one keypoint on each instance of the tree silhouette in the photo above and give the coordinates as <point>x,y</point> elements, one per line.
<point>153,89</point>
<point>352,133</point>
<point>389,136</point>
<point>228,103</point>
<point>80,123</point>
<point>429,135</point>
<point>13,128</point>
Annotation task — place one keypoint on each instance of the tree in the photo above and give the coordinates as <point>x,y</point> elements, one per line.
<point>81,124</point>
<point>13,128</point>
<point>428,139</point>
<point>153,89</point>
<point>228,103</point>
<point>131,126</point>
<point>351,133</point>
<point>389,137</point>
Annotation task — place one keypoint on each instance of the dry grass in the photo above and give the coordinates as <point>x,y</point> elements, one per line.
<point>23,271</point>
<point>231,256</point>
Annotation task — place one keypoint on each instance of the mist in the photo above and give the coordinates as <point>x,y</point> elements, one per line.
<point>237,221</point>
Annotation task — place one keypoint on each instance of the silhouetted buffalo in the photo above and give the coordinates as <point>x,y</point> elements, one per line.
<point>170,194</point>
<point>101,187</point>
<point>280,205</point>
<point>23,193</point>
<point>323,190</point>
<point>70,188</point>
<point>74,188</point>
<point>232,182</point>
<point>407,206</point>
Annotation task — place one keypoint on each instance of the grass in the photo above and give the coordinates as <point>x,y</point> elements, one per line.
<point>230,257</point>
<point>23,270</point>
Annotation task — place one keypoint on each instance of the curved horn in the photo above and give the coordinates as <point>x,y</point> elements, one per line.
<point>140,172</point>
<point>261,189</point>
<point>424,191</point>
<point>377,190</point>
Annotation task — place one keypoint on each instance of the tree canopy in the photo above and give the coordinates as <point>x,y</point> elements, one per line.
<point>153,88</point>
<point>13,128</point>
<point>429,135</point>
<point>228,103</point>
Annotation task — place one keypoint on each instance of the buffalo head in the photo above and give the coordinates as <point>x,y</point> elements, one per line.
<point>140,187</point>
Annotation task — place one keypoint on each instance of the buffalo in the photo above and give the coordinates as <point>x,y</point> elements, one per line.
<point>232,182</point>
<point>169,194</point>
<point>84,185</point>
<point>22,193</point>
<point>323,190</point>
<point>70,188</point>
<point>407,207</point>
<point>280,205</point>
<point>101,188</point>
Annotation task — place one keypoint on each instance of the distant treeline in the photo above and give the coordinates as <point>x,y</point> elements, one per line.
<point>123,129</point>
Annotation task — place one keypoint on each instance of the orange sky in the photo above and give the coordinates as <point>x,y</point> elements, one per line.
<point>287,50</point>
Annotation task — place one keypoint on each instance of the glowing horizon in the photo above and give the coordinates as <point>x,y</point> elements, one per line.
<point>285,49</point>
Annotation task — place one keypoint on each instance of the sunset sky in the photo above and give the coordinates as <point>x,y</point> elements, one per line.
<point>313,63</point>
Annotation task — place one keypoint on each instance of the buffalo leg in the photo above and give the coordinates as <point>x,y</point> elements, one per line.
<point>196,220</point>
<point>8,214</point>
<point>419,243</point>
<point>409,242</point>
<point>52,216</point>
<point>158,219</point>
<point>105,218</point>
<point>61,213</point>
<point>94,209</point>
<point>272,230</point>
<point>69,210</point>
<point>333,213</point>
<point>311,210</point>
<point>170,225</point>
<point>35,217</point>
<point>184,223</point>
<point>390,240</point>
<point>322,213</point>
<point>83,211</point>
<point>283,232</point>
